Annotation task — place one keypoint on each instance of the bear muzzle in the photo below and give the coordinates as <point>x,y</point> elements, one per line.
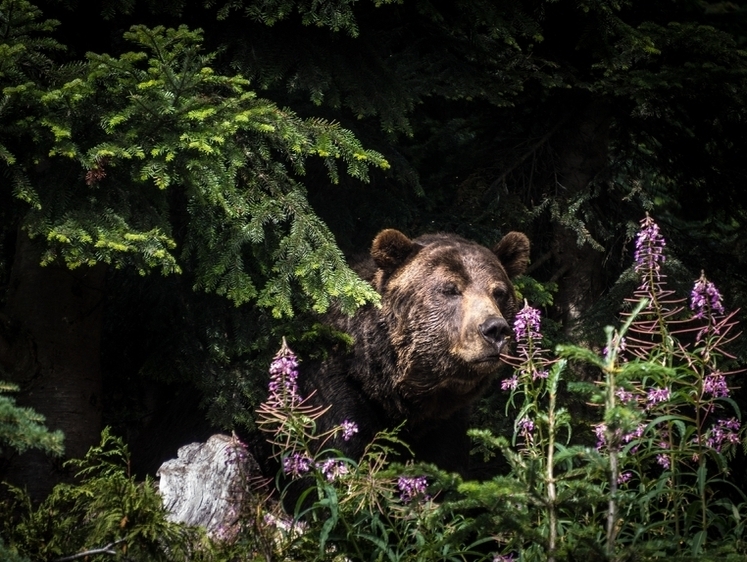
<point>496,332</point>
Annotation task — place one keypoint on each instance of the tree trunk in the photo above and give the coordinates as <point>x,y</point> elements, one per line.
<point>50,347</point>
<point>583,151</point>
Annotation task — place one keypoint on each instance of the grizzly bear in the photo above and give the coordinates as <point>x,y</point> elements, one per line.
<point>428,351</point>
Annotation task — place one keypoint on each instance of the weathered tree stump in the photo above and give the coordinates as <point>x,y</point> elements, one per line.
<point>208,484</point>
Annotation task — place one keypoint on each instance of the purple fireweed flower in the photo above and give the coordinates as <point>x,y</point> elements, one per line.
<point>600,430</point>
<point>656,395</point>
<point>623,395</point>
<point>649,248</point>
<point>333,468</point>
<point>664,461</point>
<point>527,324</point>
<point>297,464</point>
<point>624,477</point>
<point>510,384</point>
<point>725,431</point>
<point>705,300</point>
<point>526,429</point>
<point>539,374</point>
<point>349,428</point>
<point>503,558</point>
<point>283,386</point>
<point>411,487</point>
<point>715,385</point>
<point>637,434</point>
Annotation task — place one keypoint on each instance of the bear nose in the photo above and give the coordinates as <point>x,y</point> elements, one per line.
<point>495,330</point>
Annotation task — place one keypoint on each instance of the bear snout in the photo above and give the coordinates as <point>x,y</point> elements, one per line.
<point>495,331</point>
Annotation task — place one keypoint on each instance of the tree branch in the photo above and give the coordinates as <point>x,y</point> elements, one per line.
<point>108,549</point>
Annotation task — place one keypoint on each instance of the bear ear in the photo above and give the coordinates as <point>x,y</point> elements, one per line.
<point>513,251</point>
<point>391,248</point>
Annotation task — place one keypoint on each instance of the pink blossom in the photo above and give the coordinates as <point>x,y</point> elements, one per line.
<point>333,468</point>
<point>624,395</point>
<point>527,323</point>
<point>649,248</point>
<point>657,395</point>
<point>724,431</point>
<point>411,487</point>
<point>510,384</point>
<point>705,298</point>
<point>283,386</point>
<point>526,429</point>
<point>715,385</point>
<point>297,464</point>
<point>664,461</point>
<point>349,428</point>
<point>624,477</point>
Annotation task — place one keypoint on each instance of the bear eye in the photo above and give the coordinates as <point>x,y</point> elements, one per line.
<point>450,290</point>
<point>499,294</point>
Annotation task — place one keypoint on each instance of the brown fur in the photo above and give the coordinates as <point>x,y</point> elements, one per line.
<point>432,347</point>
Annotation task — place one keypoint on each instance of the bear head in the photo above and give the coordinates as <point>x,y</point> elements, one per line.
<point>447,304</point>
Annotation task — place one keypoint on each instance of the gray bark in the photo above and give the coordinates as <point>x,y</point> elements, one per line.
<point>208,484</point>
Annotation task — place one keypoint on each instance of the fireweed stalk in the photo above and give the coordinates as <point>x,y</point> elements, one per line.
<point>292,425</point>
<point>664,434</point>
<point>669,413</point>
<point>535,377</point>
<point>287,417</point>
<point>354,504</point>
<point>711,387</point>
<point>705,389</point>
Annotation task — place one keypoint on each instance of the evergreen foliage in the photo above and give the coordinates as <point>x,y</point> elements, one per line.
<point>22,428</point>
<point>132,130</point>
<point>107,513</point>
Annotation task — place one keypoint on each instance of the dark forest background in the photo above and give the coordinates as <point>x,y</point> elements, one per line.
<point>175,199</point>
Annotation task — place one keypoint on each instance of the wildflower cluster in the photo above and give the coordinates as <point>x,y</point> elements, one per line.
<point>297,464</point>
<point>411,487</point>
<point>705,299</point>
<point>656,396</point>
<point>680,399</point>
<point>283,386</point>
<point>664,431</point>
<point>724,431</point>
<point>527,325</point>
<point>649,249</point>
<point>526,430</point>
<point>618,438</point>
<point>349,429</point>
<point>335,493</point>
<point>530,361</point>
<point>333,468</point>
<point>292,422</point>
<point>715,385</point>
